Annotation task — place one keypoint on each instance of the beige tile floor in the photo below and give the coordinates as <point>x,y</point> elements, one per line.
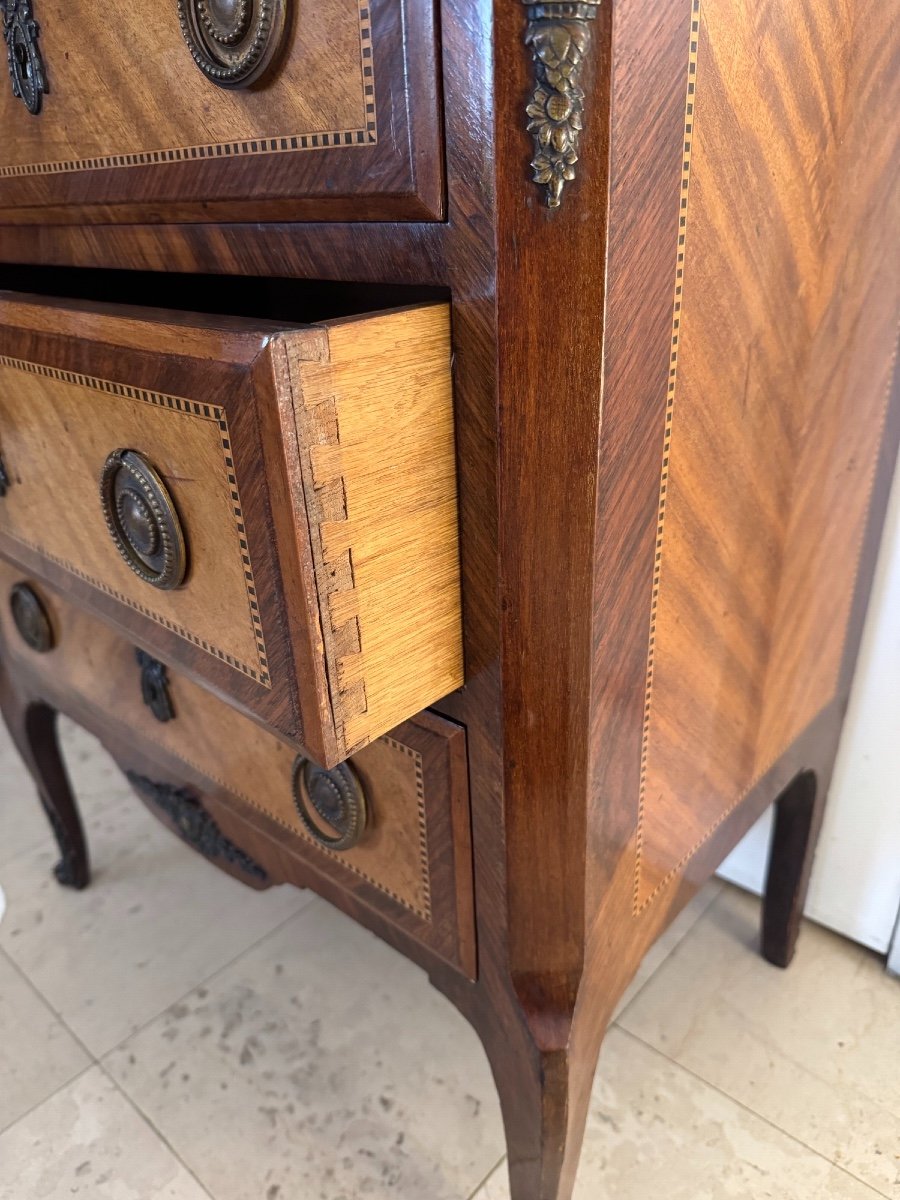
<point>169,1034</point>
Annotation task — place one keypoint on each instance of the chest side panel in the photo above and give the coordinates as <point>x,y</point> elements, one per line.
<point>770,338</point>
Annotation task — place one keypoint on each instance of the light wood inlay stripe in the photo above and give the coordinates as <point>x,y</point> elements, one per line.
<point>693,56</point>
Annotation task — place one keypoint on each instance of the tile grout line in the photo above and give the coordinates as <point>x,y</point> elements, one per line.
<point>182,996</point>
<point>26,978</point>
<point>142,1116</point>
<point>92,1060</point>
<point>4,1129</point>
<point>753,1113</point>
<point>490,1175</point>
<point>310,898</point>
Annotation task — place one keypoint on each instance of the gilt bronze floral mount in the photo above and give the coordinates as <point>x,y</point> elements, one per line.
<point>559,36</point>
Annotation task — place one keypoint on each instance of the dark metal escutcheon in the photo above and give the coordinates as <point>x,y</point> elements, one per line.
<point>26,67</point>
<point>155,686</point>
<point>336,798</point>
<point>5,481</point>
<point>233,42</point>
<point>142,519</point>
<point>31,618</point>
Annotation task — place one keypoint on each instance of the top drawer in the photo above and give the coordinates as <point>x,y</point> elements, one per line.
<point>329,112</point>
<point>272,510</point>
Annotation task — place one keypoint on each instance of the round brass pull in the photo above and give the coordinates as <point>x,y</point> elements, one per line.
<point>332,804</point>
<point>142,519</point>
<point>233,42</point>
<point>30,618</point>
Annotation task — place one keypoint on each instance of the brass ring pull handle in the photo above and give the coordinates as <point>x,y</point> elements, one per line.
<point>31,619</point>
<point>142,519</point>
<point>26,67</point>
<point>332,804</point>
<point>233,42</point>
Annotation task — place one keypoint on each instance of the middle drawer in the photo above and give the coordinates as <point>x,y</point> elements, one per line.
<point>270,507</point>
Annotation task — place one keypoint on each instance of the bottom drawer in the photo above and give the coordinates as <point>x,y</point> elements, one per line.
<point>402,801</point>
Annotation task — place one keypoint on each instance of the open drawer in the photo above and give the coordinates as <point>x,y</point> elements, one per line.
<point>271,509</point>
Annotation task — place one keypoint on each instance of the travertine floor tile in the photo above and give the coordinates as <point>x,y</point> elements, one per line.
<point>814,1050</point>
<point>87,1141</point>
<point>656,1131</point>
<point>22,824</point>
<point>155,922</point>
<point>37,1053</point>
<point>321,1066</point>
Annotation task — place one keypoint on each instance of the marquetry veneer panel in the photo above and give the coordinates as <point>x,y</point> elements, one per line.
<point>130,128</point>
<point>53,508</point>
<point>771,429</point>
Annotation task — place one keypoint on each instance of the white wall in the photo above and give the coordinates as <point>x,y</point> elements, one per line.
<point>856,882</point>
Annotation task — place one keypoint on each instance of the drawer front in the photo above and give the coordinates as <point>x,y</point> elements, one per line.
<point>153,120</point>
<point>309,474</point>
<point>412,862</point>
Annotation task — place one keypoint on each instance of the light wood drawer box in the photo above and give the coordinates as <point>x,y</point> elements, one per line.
<point>412,863</point>
<point>343,125</point>
<point>310,469</point>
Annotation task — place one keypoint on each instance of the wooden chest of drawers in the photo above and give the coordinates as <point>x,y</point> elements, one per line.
<point>496,549</point>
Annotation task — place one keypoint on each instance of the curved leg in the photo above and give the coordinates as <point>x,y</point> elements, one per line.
<point>32,726</point>
<point>798,821</point>
<point>544,1068</point>
<point>545,1101</point>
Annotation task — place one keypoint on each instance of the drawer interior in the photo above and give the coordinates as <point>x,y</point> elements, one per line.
<point>255,297</point>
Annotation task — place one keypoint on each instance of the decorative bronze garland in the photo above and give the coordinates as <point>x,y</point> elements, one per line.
<point>559,36</point>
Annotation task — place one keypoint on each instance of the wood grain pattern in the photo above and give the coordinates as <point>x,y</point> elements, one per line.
<point>374,418</point>
<point>768,457</point>
<point>338,438</point>
<point>562,339</point>
<point>414,862</point>
<point>58,428</point>
<point>105,145</point>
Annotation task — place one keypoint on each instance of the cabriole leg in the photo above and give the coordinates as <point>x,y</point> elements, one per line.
<point>32,726</point>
